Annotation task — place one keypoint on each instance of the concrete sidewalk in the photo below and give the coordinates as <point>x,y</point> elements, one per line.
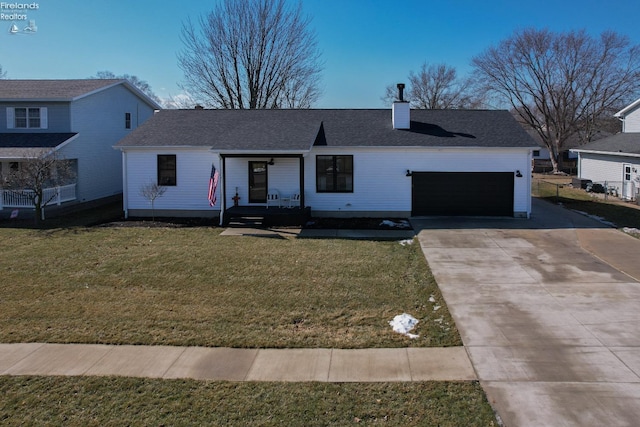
<point>231,364</point>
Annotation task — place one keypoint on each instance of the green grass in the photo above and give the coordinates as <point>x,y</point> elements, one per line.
<point>99,401</point>
<point>191,286</point>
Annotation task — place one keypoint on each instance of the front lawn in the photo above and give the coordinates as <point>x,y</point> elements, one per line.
<point>191,286</point>
<point>95,401</point>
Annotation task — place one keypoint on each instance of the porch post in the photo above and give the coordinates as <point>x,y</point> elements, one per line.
<point>223,202</point>
<point>302,204</point>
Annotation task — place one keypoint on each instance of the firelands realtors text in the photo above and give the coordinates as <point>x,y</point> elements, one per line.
<point>11,11</point>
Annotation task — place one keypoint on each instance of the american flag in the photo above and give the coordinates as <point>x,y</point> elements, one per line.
<point>213,184</point>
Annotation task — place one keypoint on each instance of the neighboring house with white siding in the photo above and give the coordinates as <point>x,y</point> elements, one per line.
<point>332,163</point>
<point>80,121</point>
<point>614,162</point>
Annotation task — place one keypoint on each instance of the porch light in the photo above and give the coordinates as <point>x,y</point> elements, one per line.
<point>270,162</point>
<point>409,173</point>
<point>518,174</point>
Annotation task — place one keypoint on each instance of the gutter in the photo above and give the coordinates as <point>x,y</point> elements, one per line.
<point>608,153</point>
<point>125,186</point>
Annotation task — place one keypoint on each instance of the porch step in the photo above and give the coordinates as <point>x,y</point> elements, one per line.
<point>246,221</point>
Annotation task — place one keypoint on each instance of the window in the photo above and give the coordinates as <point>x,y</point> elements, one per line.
<point>27,118</point>
<point>334,174</point>
<point>127,120</point>
<point>536,153</point>
<point>167,169</point>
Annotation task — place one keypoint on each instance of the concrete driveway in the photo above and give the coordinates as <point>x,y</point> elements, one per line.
<point>548,310</point>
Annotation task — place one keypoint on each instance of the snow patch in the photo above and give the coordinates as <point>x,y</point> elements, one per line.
<point>406,242</point>
<point>399,224</point>
<point>403,323</point>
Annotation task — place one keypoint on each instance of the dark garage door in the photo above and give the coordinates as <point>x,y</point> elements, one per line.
<point>462,193</point>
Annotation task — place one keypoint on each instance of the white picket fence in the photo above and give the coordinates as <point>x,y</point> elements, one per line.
<point>22,199</point>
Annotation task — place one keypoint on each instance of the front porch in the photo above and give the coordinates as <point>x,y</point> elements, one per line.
<point>16,199</point>
<point>266,216</point>
<point>266,184</point>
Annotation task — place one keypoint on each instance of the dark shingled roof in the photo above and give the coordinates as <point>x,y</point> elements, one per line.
<point>33,140</point>
<point>620,143</point>
<point>51,90</point>
<point>19,145</point>
<point>299,130</point>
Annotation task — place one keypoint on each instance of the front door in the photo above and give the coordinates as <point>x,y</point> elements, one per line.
<point>629,179</point>
<point>257,182</point>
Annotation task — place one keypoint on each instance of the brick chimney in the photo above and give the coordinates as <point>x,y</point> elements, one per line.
<point>400,111</point>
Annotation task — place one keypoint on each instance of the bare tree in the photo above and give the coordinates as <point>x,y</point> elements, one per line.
<point>3,73</point>
<point>437,87</point>
<point>560,84</point>
<point>151,192</point>
<point>181,101</point>
<point>134,80</point>
<point>38,177</point>
<point>251,54</point>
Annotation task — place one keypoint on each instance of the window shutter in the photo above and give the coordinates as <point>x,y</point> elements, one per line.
<point>11,117</point>
<point>44,122</point>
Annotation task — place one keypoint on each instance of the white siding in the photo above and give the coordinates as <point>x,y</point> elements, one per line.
<point>600,167</point>
<point>381,184</point>
<point>380,181</point>
<point>193,169</point>
<point>632,121</point>
<point>100,121</point>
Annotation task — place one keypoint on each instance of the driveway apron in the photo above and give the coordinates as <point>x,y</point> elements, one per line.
<point>548,316</point>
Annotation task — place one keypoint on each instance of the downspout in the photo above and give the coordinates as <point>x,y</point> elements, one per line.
<point>579,164</point>
<point>302,202</point>
<point>125,185</point>
<point>529,172</point>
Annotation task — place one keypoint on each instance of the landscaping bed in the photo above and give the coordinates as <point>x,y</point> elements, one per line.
<point>359,223</point>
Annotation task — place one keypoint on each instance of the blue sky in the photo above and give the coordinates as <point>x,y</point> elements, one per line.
<point>365,44</point>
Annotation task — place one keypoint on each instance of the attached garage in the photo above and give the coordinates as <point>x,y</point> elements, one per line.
<point>462,193</point>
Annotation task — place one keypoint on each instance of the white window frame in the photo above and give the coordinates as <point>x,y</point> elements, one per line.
<point>11,118</point>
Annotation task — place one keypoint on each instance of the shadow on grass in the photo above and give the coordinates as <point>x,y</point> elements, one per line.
<point>105,215</point>
<point>80,218</point>
<point>618,214</point>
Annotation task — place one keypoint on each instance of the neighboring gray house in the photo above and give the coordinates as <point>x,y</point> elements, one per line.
<point>341,163</point>
<point>614,162</point>
<point>80,120</point>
